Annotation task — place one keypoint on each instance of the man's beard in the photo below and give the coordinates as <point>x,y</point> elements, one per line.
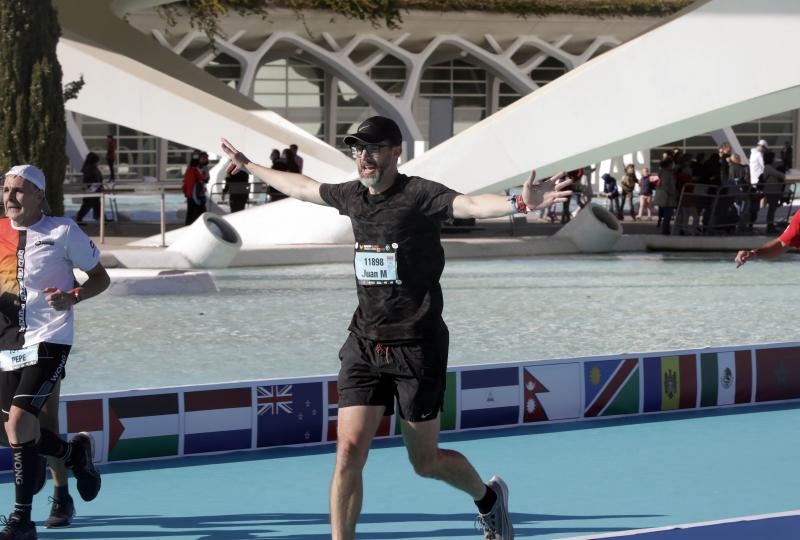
<point>371,180</point>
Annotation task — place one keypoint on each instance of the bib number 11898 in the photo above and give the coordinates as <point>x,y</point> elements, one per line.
<point>376,265</point>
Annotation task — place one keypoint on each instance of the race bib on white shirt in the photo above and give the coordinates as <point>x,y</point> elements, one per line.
<point>18,359</point>
<point>376,265</point>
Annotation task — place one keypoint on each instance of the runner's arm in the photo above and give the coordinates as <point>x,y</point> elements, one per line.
<point>62,300</point>
<point>535,197</point>
<point>294,185</point>
<point>770,250</point>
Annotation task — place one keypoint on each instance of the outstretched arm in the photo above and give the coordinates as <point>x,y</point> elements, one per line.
<point>535,196</point>
<point>770,250</point>
<point>292,184</point>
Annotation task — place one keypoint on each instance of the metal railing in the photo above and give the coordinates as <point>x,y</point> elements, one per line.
<point>726,209</point>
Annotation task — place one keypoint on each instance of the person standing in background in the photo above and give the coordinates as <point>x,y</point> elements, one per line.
<point>297,159</point>
<point>111,156</point>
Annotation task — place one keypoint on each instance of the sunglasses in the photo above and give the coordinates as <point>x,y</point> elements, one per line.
<point>373,149</point>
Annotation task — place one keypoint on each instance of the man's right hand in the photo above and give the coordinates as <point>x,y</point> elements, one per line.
<point>744,256</point>
<point>239,161</point>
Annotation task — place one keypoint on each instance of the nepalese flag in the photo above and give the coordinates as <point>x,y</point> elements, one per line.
<point>726,378</point>
<point>670,382</point>
<point>448,415</point>
<point>778,374</point>
<point>83,415</point>
<point>551,392</point>
<point>217,420</point>
<point>289,414</point>
<point>384,429</point>
<point>611,387</point>
<point>489,397</point>
<point>142,427</point>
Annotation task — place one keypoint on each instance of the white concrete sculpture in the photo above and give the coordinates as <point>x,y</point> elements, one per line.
<point>209,242</point>
<point>593,230</point>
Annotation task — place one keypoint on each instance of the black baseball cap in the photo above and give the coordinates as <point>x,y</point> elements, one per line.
<point>376,129</point>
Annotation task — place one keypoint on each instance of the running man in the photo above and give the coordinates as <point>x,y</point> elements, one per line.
<point>37,255</point>
<point>398,342</point>
<point>774,248</point>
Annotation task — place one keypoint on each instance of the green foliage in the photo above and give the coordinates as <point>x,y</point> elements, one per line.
<point>72,89</point>
<point>205,14</point>
<point>32,126</point>
<point>526,8</point>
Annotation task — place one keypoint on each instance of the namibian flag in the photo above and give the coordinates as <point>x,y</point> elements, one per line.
<point>778,374</point>
<point>670,382</point>
<point>611,387</point>
<point>725,378</point>
<point>217,420</point>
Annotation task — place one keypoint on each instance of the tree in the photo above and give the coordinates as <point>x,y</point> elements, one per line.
<point>32,125</point>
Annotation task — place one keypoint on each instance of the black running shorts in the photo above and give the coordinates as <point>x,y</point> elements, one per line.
<point>31,386</point>
<point>415,373</point>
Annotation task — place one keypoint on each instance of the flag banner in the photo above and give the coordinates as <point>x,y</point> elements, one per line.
<point>726,378</point>
<point>384,429</point>
<point>83,415</point>
<point>142,427</point>
<point>447,418</point>
<point>670,383</point>
<point>611,387</point>
<point>490,397</point>
<point>551,392</point>
<point>289,414</point>
<point>777,374</point>
<point>217,420</point>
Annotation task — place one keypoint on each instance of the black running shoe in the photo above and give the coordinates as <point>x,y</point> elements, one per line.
<point>61,513</point>
<point>83,467</point>
<point>16,528</point>
<point>41,474</point>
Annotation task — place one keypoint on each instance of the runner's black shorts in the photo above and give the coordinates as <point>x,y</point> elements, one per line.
<point>31,386</point>
<point>373,373</point>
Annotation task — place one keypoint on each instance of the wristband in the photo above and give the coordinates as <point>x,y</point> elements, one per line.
<point>76,294</point>
<point>518,204</point>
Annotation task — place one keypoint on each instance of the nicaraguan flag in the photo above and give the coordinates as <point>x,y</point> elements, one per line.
<point>490,397</point>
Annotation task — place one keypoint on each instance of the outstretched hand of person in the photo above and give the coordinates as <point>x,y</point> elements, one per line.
<point>238,161</point>
<point>744,256</point>
<point>544,194</point>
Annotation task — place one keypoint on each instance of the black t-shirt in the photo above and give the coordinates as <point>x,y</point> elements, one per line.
<point>398,256</point>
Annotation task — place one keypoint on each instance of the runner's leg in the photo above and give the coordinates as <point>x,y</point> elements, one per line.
<point>356,426</point>
<point>430,461</point>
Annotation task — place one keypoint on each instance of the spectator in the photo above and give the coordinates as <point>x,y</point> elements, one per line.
<point>297,159</point>
<point>687,207</point>
<point>666,194</point>
<point>577,190</point>
<point>111,156</point>
<point>740,176</point>
<point>629,182</point>
<point>277,163</point>
<point>611,192</point>
<point>93,183</point>
<point>756,179</point>
<point>773,182</point>
<point>288,157</point>
<point>237,187</point>
<point>786,156</point>
<point>645,195</point>
<point>195,206</point>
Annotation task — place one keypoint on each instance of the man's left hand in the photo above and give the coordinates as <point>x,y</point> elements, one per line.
<point>547,193</point>
<point>59,300</point>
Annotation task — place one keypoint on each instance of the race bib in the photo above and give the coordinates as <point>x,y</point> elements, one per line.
<point>376,265</point>
<point>20,358</point>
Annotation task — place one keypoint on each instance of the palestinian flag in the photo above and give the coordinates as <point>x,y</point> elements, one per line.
<point>447,417</point>
<point>142,427</point>
<point>83,415</point>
